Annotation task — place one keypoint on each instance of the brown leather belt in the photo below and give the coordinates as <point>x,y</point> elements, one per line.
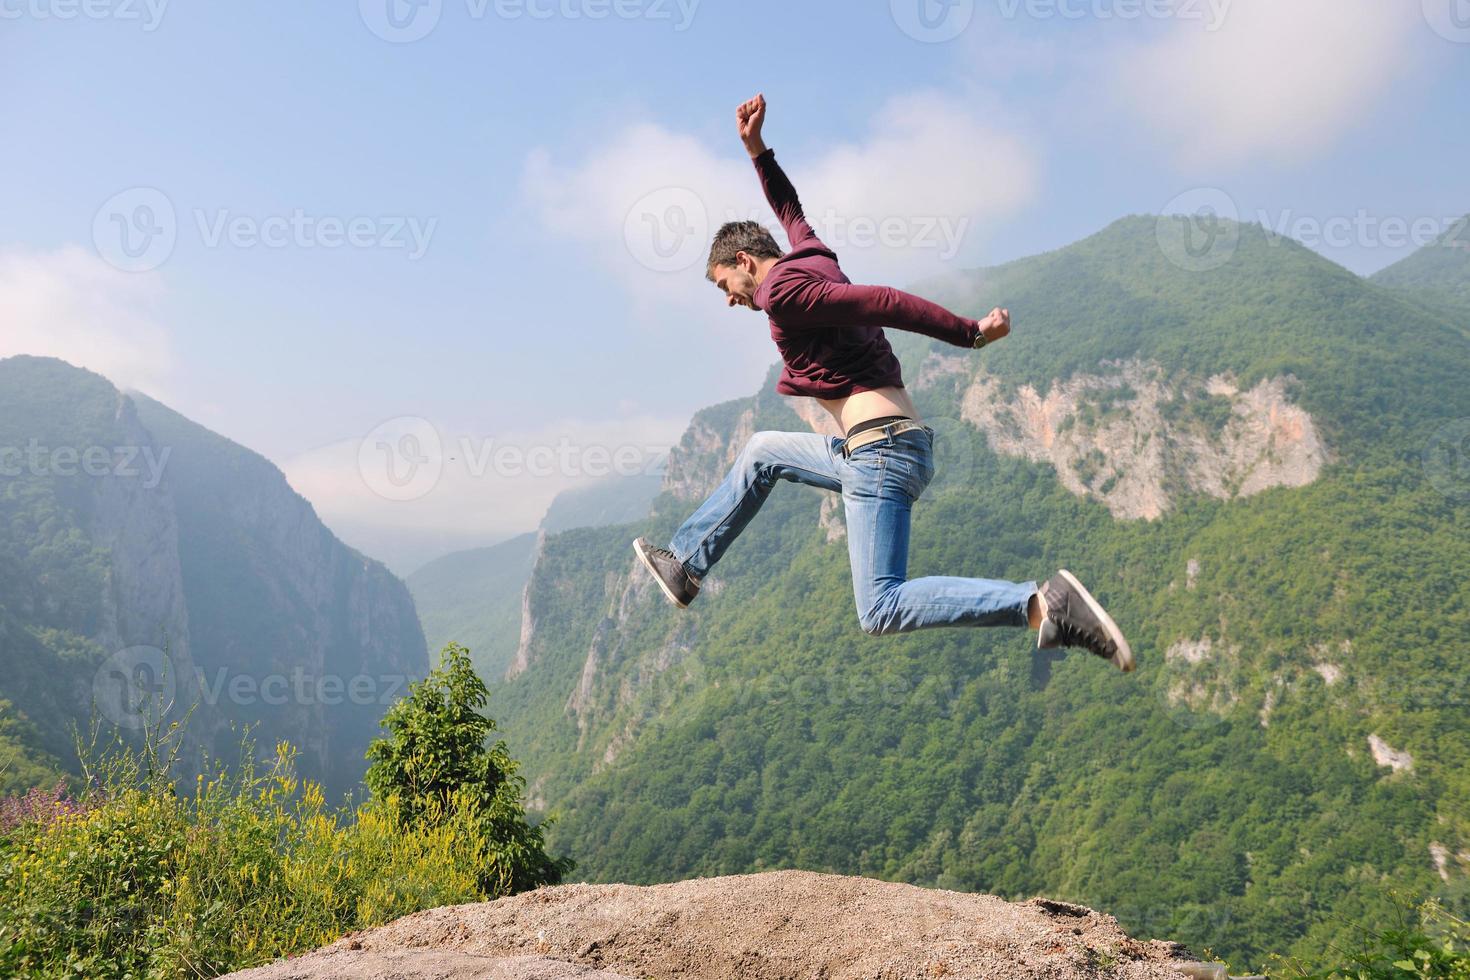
<point>878,432</point>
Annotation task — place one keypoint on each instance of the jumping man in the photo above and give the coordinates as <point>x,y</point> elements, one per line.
<point>830,335</point>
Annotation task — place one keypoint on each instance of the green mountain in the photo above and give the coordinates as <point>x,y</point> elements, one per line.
<point>1438,273</point>
<point>611,500</point>
<point>475,597</point>
<point>1249,463</point>
<point>144,555</point>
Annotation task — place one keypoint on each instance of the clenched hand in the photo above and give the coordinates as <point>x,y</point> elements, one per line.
<point>749,118</point>
<point>997,324</point>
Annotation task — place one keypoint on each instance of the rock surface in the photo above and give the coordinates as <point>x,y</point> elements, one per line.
<point>1137,439</point>
<point>780,924</point>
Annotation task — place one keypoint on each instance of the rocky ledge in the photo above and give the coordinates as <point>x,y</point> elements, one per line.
<point>781,924</point>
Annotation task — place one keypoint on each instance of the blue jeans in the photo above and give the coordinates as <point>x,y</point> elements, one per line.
<point>879,483</point>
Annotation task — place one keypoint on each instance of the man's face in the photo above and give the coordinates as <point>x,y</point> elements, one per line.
<point>737,284</point>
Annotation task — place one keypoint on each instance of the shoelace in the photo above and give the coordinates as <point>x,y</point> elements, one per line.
<point>666,553</point>
<point>1073,635</point>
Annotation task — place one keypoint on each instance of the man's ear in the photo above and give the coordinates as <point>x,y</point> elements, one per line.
<point>745,263</point>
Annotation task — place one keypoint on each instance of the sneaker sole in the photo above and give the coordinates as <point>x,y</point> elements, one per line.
<point>656,576</point>
<point>1123,658</point>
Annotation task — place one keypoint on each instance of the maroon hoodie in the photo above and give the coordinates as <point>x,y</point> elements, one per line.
<point>829,331</point>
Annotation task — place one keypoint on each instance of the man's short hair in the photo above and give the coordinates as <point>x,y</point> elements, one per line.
<point>750,237</point>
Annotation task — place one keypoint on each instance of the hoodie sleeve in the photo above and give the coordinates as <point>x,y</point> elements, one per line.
<point>783,200</point>
<point>808,301</point>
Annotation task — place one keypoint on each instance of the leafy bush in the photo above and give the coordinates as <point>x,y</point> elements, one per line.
<point>436,748</point>
<point>1436,947</point>
<point>138,879</point>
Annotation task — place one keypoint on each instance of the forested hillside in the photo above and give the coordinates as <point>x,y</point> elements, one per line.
<point>473,598</point>
<point>142,555</point>
<point>1247,463</point>
<point>1439,273</point>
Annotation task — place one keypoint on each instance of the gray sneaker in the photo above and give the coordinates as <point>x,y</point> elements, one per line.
<point>668,572</point>
<point>1075,619</point>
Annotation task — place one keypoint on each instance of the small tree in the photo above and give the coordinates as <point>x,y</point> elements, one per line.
<point>435,758</point>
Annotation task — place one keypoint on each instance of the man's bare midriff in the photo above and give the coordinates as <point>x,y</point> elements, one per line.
<point>865,405</point>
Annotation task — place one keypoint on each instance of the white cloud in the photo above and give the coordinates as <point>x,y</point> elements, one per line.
<point>909,198</point>
<point>70,304</point>
<point>927,160</point>
<point>1280,79</point>
<point>472,484</point>
<point>646,204</point>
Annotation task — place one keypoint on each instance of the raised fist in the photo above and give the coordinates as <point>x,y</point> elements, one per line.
<point>749,118</point>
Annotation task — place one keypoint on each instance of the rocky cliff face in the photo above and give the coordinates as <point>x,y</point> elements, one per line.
<point>608,714</point>
<point>639,662</point>
<point>528,618</point>
<point>704,454</point>
<point>291,629</point>
<point>1137,439</point>
<point>145,620</point>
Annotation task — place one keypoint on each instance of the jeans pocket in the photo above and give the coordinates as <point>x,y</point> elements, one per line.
<point>911,471</point>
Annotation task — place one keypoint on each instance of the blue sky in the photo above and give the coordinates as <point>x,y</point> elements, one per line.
<point>530,143</point>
